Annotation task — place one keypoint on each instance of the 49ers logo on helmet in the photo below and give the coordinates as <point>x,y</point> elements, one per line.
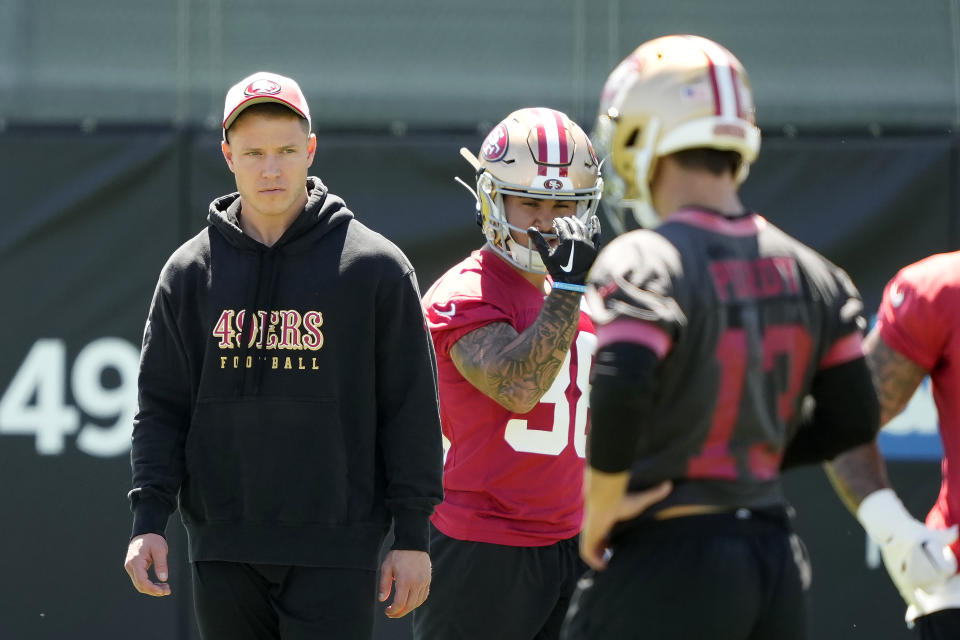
<point>262,88</point>
<point>495,146</point>
<point>553,184</point>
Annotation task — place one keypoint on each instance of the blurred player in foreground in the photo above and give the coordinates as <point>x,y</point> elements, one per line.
<point>712,329</point>
<point>513,351</point>
<point>915,336</point>
<point>287,400</point>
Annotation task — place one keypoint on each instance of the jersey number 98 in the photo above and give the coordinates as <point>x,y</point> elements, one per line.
<point>552,439</point>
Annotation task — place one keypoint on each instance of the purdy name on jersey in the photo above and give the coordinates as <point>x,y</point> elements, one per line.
<point>763,277</point>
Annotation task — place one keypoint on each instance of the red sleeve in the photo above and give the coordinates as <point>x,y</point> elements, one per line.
<point>450,320</point>
<point>478,291</point>
<point>909,320</point>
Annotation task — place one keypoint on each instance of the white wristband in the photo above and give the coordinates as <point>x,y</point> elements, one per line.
<point>881,513</point>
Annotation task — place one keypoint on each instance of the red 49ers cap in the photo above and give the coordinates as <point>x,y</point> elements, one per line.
<point>263,86</point>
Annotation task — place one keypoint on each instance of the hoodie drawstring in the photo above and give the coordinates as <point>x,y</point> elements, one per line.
<point>271,279</point>
<point>246,330</point>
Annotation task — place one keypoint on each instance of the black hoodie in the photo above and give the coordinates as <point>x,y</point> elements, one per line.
<point>295,444</point>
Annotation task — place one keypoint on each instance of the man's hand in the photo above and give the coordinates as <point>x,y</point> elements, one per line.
<point>915,556</point>
<point>606,504</point>
<point>577,247</point>
<point>411,571</point>
<point>146,550</point>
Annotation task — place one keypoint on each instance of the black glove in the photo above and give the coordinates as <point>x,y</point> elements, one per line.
<point>571,259</point>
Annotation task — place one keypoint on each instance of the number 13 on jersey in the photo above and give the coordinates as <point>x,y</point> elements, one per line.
<point>526,436</point>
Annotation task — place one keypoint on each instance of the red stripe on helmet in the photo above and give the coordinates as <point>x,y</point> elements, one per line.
<point>713,83</point>
<point>562,137</point>
<point>735,80</point>
<point>564,150</point>
<point>542,151</point>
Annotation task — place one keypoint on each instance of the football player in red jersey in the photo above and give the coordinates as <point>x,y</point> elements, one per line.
<point>513,351</point>
<point>915,336</point>
<point>712,328</point>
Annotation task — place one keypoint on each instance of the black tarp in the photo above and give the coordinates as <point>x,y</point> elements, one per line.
<point>89,219</point>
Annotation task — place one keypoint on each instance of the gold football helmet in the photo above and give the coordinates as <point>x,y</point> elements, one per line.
<point>533,153</point>
<point>672,93</point>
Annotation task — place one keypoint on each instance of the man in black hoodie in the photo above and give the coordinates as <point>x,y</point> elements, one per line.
<point>288,400</point>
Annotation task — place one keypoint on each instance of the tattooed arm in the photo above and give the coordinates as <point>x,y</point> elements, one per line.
<point>517,369</point>
<point>917,558</point>
<point>861,471</point>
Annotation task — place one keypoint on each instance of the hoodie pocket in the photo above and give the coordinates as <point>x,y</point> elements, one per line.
<point>266,460</point>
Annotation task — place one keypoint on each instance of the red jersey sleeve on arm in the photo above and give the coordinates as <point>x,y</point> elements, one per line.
<point>452,319</point>
<point>908,320</point>
<point>478,291</point>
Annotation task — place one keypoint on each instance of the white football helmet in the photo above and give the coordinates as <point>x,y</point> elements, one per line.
<point>533,153</point>
<point>672,93</point>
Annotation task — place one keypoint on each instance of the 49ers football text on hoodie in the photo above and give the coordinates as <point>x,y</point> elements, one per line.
<point>288,394</point>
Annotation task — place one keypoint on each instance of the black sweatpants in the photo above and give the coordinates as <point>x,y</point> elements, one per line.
<point>939,625</point>
<point>235,601</point>
<point>717,576</point>
<point>486,591</point>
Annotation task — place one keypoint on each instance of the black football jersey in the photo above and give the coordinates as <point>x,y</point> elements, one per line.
<point>743,316</point>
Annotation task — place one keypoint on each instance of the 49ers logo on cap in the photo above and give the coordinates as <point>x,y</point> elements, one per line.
<point>495,146</point>
<point>262,88</point>
<point>553,184</point>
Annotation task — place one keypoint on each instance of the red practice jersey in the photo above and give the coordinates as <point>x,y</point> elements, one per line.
<point>510,479</point>
<point>918,318</point>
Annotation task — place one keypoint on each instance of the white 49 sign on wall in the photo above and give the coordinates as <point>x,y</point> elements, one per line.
<point>35,401</point>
